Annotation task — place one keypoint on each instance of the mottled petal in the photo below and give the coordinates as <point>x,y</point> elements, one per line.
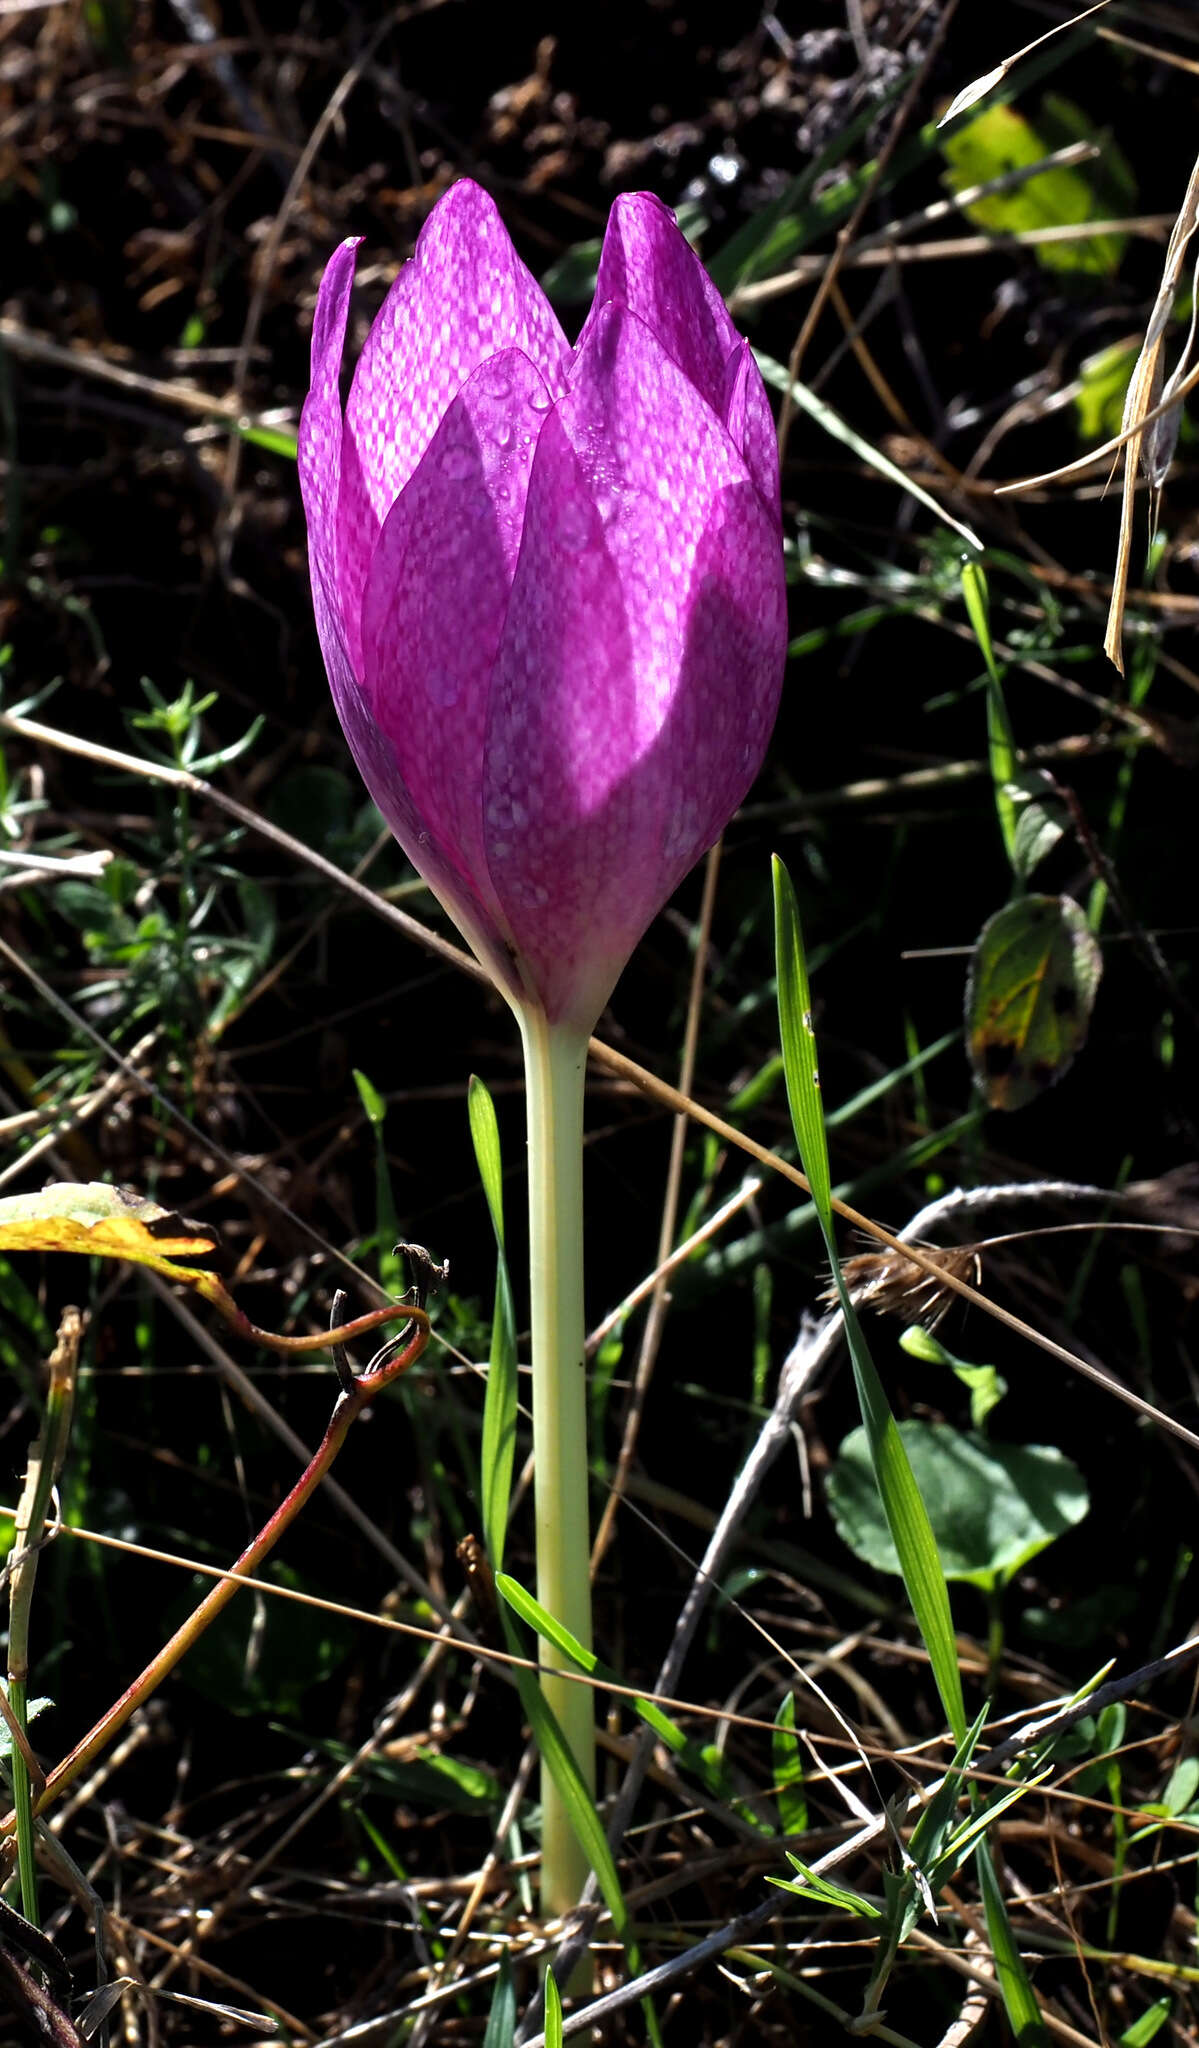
<point>319,441</point>
<point>648,265</point>
<point>436,600</point>
<point>464,296</point>
<point>382,769</point>
<point>639,670</point>
<point>748,417</point>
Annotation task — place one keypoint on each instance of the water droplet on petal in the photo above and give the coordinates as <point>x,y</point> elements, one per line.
<point>422,839</point>
<point>498,379</point>
<point>501,433</point>
<point>541,402</point>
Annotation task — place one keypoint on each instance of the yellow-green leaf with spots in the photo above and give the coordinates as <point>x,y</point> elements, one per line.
<point>1029,998</point>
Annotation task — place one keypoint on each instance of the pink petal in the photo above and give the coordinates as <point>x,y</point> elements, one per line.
<point>465,296</point>
<point>747,415</point>
<point>436,600</point>
<point>639,671</point>
<point>382,770</point>
<point>648,265</point>
<point>319,449</point>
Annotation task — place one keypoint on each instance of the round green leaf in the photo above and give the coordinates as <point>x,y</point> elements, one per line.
<point>992,1506</point>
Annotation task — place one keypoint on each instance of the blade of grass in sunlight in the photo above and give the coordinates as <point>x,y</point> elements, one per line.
<point>553,2013</point>
<point>906,1515</point>
<point>555,1751</point>
<point>787,1766</point>
<point>777,374</point>
<point>532,1612</point>
<point>1000,743</point>
<point>905,1510</point>
<point>499,1407</point>
<point>1019,1999</point>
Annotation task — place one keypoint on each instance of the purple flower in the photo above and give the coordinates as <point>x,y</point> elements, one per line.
<point>548,583</point>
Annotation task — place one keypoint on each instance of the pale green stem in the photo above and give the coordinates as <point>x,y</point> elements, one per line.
<point>555,1067</point>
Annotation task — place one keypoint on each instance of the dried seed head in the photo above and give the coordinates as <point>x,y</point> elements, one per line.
<point>886,1281</point>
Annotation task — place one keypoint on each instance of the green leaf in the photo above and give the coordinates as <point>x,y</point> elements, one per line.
<point>1002,139</point>
<point>1019,2001</point>
<point>1181,1786</point>
<point>500,1403</point>
<point>1029,996</point>
<point>556,1754</point>
<point>276,440</point>
<point>992,1506</point>
<point>799,1043</point>
<point>963,1838</point>
<point>32,1708</point>
<point>1031,989</point>
<point>810,1885</point>
<point>1102,389</point>
<point>938,1815</point>
<point>904,1509</point>
<point>985,1385</point>
<point>907,1518</point>
<point>552,1631</point>
<point>787,1764</point>
<point>501,2020</point>
<point>840,430</point>
<point>1001,745</point>
<point>1041,819</point>
<point>1146,2025</point>
<point>485,1136</point>
<point>370,1098</point>
<point>553,2012</point>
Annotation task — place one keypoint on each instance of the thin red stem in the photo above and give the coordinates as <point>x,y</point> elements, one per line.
<point>346,1410</point>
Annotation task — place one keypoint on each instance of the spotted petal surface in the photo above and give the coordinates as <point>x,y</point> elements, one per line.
<point>465,296</point>
<point>548,586</point>
<point>645,624</point>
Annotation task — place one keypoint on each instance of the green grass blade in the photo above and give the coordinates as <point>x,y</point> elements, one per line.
<point>787,1766</point>
<point>277,440</point>
<point>799,1044</point>
<point>556,1753</point>
<point>777,374</point>
<point>1000,742</point>
<point>1019,1999</point>
<point>553,2013</point>
<point>387,1223</point>
<point>501,2020</point>
<point>810,1885</point>
<point>907,1518</point>
<point>531,1611</point>
<point>499,1408</point>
